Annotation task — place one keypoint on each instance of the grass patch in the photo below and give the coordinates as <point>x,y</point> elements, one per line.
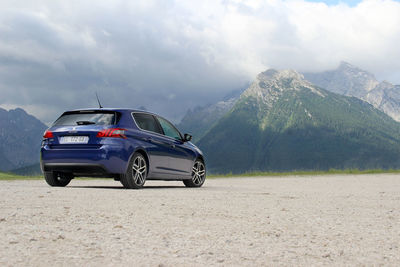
<point>304,173</point>
<point>11,176</point>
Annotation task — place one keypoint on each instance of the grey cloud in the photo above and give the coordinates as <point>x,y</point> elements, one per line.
<point>131,62</point>
<point>168,55</point>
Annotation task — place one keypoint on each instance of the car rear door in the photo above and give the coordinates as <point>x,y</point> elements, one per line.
<point>157,148</point>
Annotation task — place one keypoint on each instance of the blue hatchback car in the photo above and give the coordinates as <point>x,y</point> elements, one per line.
<point>130,146</point>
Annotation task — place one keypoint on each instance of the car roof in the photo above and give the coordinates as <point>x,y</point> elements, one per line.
<point>113,109</point>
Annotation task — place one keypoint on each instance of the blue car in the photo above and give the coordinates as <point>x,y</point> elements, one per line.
<point>130,146</point>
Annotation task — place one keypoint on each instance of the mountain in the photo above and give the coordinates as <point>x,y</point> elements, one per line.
<point>28,170</point>
<point>353,81</point>
<point>199,120</point>
<point>283,122</point>
<point>21,136</point>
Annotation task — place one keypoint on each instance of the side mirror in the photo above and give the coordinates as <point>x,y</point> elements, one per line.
<point>187,137</point>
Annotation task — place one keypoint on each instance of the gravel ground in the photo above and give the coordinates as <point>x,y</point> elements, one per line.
<point>319,220</point>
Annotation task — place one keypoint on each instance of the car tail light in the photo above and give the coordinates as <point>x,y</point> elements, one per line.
<point>113,132</point>
<point>48,134</point>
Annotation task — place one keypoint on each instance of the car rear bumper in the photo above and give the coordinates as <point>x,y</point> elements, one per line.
<point>83,168</point>
<point>106,159</point>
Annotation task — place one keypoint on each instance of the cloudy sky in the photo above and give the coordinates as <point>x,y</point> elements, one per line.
<point>173,55</point>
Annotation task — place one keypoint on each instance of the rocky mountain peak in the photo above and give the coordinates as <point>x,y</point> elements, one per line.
<point>360,76</point>
<point>384,85</point>
<point>346,66</point>
<point>346,80</point>
<point>18,111</point>
<point>271,83</point>
<point>352,81</point>
<point>268,74</point>
<point>273,74</point>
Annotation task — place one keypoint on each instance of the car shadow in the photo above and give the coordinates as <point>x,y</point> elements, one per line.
<point>122,188</point>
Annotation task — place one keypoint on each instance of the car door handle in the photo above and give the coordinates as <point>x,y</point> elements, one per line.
<point>172,145</point>
<point>154,141</point>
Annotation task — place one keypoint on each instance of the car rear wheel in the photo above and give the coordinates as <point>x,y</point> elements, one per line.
<point>58,179</point>
<point>123,183</point>
<point>198,175</point>
<point>136,175</point>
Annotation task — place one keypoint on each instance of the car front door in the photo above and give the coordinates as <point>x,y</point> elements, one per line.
<point>181,157</point>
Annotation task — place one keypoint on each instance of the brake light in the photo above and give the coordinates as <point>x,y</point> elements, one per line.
<point>113,132</point>
<point>48,134</point>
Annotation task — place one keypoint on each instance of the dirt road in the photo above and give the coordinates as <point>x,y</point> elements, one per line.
<point>320,220</point>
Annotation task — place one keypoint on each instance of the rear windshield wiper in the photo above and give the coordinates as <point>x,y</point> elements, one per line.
<point>85,122</point>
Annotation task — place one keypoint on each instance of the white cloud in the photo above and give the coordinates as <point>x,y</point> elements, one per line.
<point>55,54</point>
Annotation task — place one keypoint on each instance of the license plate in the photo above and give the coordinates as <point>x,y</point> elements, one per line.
<point>74,139</point>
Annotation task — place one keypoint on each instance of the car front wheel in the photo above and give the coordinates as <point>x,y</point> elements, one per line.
<point>198,175</point>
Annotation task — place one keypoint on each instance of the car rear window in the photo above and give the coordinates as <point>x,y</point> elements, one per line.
<point>87,118</point>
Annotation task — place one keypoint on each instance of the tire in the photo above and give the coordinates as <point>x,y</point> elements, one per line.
<point>123,184</point>
<point>58,179</point>
<point>136,175</point>
<point>198,175</point>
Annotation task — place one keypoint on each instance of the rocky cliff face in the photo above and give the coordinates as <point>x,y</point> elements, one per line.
<point>352,81</point>
<point>386,97</point>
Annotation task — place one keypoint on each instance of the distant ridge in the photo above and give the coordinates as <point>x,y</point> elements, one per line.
<point>28,170</point>
<point>199,120</point>
<point>21,136</point>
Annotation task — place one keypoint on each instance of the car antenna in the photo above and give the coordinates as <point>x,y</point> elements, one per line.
<point>98,100</point>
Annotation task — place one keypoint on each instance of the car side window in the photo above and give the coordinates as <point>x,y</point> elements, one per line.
<point>147,122</point>
<point>169,129</point>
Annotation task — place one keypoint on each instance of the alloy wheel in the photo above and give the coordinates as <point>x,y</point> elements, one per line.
<point>198,173</point>
<point>139,169</point>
